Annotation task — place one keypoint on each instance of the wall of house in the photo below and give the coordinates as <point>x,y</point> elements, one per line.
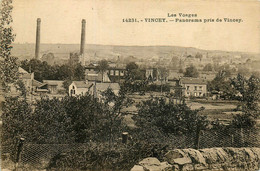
<point>78,91</point>
<point>81,91</point>
<point>196,90</point>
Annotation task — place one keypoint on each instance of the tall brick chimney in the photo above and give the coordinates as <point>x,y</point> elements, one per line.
<point>38,36</point>
<point>82,42</point>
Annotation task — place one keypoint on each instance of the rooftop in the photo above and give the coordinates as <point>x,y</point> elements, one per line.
<point>104,86</point>
<point>190,80</point>
<point>53,82</point>
<point>82,84</point>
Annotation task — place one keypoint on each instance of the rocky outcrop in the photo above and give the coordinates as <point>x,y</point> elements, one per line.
<point>152,164</point>
<point>208,159</point>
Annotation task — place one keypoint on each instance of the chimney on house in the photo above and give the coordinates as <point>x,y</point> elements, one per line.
<point>37,46</point>
<point>82,42</point>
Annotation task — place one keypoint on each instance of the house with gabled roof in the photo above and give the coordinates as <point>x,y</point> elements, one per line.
<point>79,88</point>
<point>54,86</point>
<point>95,89</point>
<point>195,87</point>
<point>98,88</point>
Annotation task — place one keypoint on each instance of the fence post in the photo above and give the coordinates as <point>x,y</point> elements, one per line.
<point>124,137</point>
<point>232,140</point>
<point>19,150</point>
<point>242,137</point>
<point>197,141</point>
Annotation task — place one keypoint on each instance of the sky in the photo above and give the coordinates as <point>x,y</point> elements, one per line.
<point>61,23</point>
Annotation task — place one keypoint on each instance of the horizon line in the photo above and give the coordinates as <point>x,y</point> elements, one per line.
<point>232,51</point>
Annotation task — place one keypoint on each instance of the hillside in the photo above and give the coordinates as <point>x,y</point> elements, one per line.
<point>61,51</point>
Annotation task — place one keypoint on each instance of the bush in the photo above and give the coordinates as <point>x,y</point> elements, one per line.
<point>103,157</point>
<point>53,121</point>
<point>168,117</point>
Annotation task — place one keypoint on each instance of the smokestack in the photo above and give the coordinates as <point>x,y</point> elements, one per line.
<point>38,32</point>
<point>82,42</point>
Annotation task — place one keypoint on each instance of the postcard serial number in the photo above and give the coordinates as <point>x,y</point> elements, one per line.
<point>130,20</point>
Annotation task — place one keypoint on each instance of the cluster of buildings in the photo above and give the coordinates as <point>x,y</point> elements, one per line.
<point>97,81</point>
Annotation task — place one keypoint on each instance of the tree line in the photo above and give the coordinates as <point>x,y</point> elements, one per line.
<point>43,71</point>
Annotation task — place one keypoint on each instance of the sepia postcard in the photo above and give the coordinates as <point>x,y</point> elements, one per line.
<point>148,85</point>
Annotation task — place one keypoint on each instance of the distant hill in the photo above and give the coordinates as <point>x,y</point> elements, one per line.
<point>61,51</point>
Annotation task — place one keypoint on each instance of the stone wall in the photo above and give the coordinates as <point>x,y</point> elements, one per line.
<point>208,159</point>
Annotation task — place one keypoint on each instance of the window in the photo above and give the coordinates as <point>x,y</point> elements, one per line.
<point>195,88</point>
<point>200,93</point>
<point>111,72</point>
<point>188,87</point>
<point>72,91</point>
<point>200,87</point>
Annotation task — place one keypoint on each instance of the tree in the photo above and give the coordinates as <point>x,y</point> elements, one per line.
<point>8,64</point>
<point>168,117</point>
<point>21,88</point>
<point>66,83</point>
<point>191,71</point>
<point>222,83</point>
<point>103,66</point>
<point>44,71</point>
<point>16,122</point>
<point>50,123</point>
<point>85,113</point>
<point>131,66</point>
<point>113,115</point>
<point>249,90</point>
<point>79,72</point>
<point>208,67</point>
<point>162,75</point>
<point>133,72</point>
<point>198,55</point>
<point>174,63</point>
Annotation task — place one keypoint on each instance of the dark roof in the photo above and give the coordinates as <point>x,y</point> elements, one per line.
<point>189,80</point>
<point>90,67</point>
<point>22,71</point>
<point>43,85</point>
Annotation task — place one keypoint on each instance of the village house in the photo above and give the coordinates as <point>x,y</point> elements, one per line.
<point>98,88</point>
<point>79,88</point>
<point>193,87</point>
<point>207,75</point>
<point>116,74</point>
<point>112,74</point>
<point>54,86</point>
<point>96,76</point>
<point>174,74</point>
<point>28,80</point>
<point>95,89</point>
